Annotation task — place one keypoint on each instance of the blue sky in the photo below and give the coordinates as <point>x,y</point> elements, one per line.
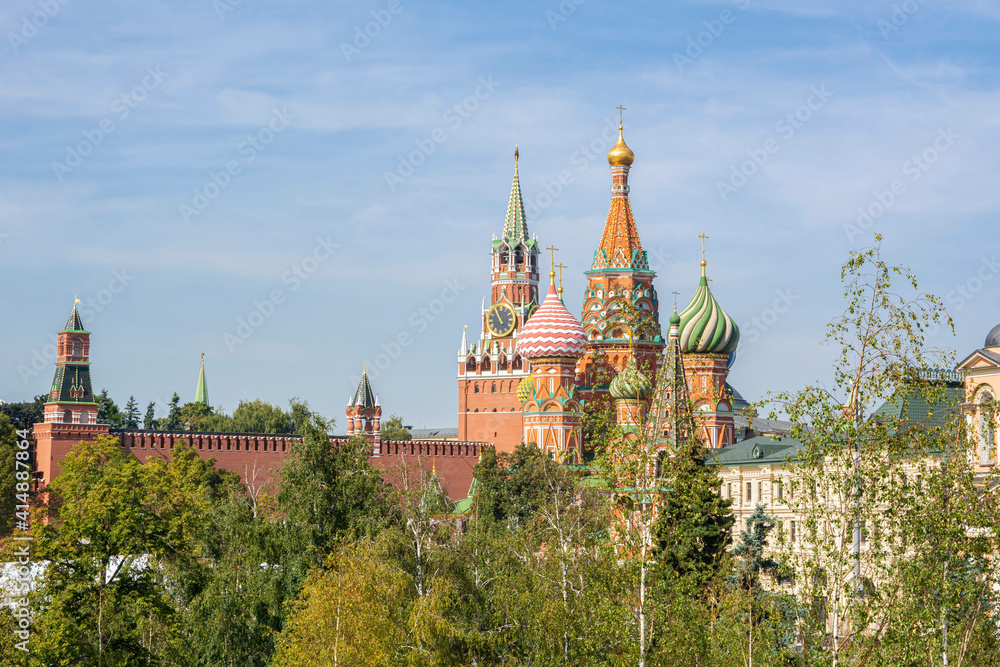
<point>181,166</point>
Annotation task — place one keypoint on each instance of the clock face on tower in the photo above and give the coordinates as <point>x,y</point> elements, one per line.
<point>500,320</point>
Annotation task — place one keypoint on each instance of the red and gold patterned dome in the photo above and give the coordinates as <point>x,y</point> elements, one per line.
<point>552,331</point>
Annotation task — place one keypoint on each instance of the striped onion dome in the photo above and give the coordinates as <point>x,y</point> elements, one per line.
<point>631,383</point>
<point>704,326</point>
<point>551,332</point>
<point>524,389</point>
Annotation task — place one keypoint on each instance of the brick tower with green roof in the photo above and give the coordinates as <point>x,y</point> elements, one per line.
<point>70,414</point>
<point>490,369</point>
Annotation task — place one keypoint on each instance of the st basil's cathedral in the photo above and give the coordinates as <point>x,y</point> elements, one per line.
<point>535,365</point>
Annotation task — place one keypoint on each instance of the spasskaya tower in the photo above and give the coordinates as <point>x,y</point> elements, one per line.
<point>490,369</point>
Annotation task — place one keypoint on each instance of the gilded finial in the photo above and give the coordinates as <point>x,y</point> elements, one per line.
<point>676,294</point>
<point>515,157</point>
<point>703,263</point>
<point>621,155</point>
<point>560,266</point>
<point>203,356</point>
<point>75,301</point>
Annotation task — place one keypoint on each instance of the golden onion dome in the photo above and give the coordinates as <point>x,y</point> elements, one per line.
<point>621,155</point>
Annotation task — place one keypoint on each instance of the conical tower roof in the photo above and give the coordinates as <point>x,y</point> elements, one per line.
<point>364,397</point>
<point>515,225</point>
<point>201,393</point>
<point>73,322</point>
<point>704,326</point>
<point>620,246</point>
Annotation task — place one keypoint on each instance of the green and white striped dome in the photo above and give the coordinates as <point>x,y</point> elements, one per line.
<point>704,326</point>
<point>631,383</point>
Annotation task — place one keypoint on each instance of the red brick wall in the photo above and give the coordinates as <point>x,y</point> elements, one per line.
<point>257,457</point>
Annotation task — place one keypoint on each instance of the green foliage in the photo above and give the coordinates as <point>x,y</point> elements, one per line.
<point>331,492</point>
<point>149,420</point>
<point>108,413</point>
<point>25,414</point>
<point>173,421</point>
<point>98,588</point>
<point>255,416</point>
<point>694,526</point>
<point>131,414</point>
<point>8,469</point>
<point>512,486</point>
<point>393,429</point>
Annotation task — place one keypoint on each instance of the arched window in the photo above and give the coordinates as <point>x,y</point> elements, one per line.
<point>77,347</point>
<point>84,417</point>
<point>486,363</point>
<point>987,428</point>
<point>67,417</point>
<point>517,362</point>
<point>470,365</point>
<point>518,256</point>
<point>476,391</point>
<point>494,388</point>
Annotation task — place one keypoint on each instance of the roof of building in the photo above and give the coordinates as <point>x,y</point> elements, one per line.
<point>552,331</point>
<point>705,327</point>
<point>620,154</point>
<point>201,392</point>
<point>631,383</point>
<point>363,397</point>
<point>515,225</point>
<point>73,322</point>
<point>993,337</point>
<point>762,425</point>
<point>912,405</point>
<point>434,433</point>
<point>759,450</point>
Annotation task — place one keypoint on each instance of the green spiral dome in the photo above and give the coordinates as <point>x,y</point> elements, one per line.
<point>704,326</point>
<point>631,383</point>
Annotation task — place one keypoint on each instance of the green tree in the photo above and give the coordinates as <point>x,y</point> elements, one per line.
<point>694,525</point>
<point>173,421</point>
<point>25,414</point>
<point>8,470</point>
<point>512,486</point>
<point>131,414</point>
<point>149,421</point>
<point>108,413</point>
<point>99,586</point>
<point>859,483</point>
<point>393,429</point>
<point>331,491</point>
<point>194,415</point>
<point>754,622</point>
<point>259,417</point>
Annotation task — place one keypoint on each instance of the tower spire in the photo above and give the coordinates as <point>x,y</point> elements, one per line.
<point>620,246</point>
<point>515,225</point>
<point>201,393</point>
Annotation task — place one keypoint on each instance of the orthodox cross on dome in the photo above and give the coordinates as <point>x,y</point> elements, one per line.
<point>676,294</point>
<point>560,266</point>
<point>552,273</point>
<point>620,110</point>
<point>703,238</point>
